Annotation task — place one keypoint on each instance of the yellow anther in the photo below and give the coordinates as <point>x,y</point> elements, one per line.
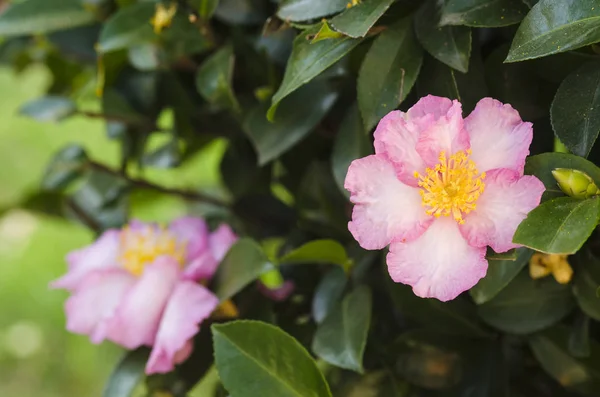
<point>452,187</point>
<point>163,16</point>
<point>352,3</point>
<point>542,265</point>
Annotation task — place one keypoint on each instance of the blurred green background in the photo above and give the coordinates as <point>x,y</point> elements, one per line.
<point>37,356</point>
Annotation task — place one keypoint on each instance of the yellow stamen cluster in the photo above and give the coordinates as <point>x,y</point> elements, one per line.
<point>542,265</point>
<point>140,247</point>
<point>452,187</point>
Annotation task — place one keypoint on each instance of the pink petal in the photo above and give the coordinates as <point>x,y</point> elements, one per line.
<point>101,254</point>
<point>192,231</point>
<point>91,307</point>
<point>201,268</point>
<point>385,209</point>
<point>188,306</point>
<point>446,134</point>
<point>435,106</point>
<point>279,294</point>
<point>137,318</point>
<point>499,138</point>
<point>440,264</point>
<point>220,241</point>
<point>505,202</point>
<point>396,139</point>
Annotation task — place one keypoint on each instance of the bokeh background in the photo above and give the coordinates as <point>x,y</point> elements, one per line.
<point>37,356</point>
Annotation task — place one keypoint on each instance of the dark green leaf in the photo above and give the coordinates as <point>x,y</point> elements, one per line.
<point>308,60</point>
<point>483,13</point>
<point>244,263</point>
<point>510,255</point>
<point>328,293</point>
<point>127,374</point>
<point>101,189</point>
<point>579,339</point>
<point>295,118</point>
<point>351,143</point>
<point>525,305</point>
<point>448,44</point>
<point>128,27</point>
<point>575,116</point>
<point>542,166</point>
<point>388,72</point>
<point>341,338</point>
<point>258,359</point>
<point>319,251</point>
<point>303,10</point>
<point>166,156</point>
<point>206,8</point>
<point>49,108</point>
<point>145,57</point>
<point>67,165</point>
<point>499,275</point>
<point>241,12</point>
<point>357,20</point>
<point>213,79</point>
<point>551,350</point>
<point>559,226</point>
<point>43,16</point>
<point>554,26</point>
<point>586,282</point>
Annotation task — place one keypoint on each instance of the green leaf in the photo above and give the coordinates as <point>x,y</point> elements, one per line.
<point>303,10</point>
<point>127,374</point>
<point>128,27</point>
<point>448,44</point>
<point>586,282</point>
<point>244,263</point>
<point>328,293</point>
<point>542,166</point>
<point>351,143</point>
<point>388,72</point>
<point>296,117</point>
<point>43,16</point>
<point>101,189</point>
<point>66,166</point>
<point>166,156</point>
<point>319,251</point>
<point>550,348</point>
<point>499,275</point>
<point>206,8</point>
<point>574,111</point>
<point>525,305</point>
<point>559,226</point>
<point>308,60</point>
<point>357,20</point>
<point>341,338</point>
<point>213,79</point>
<point>579,339</point>
<point>510,255</point>
<point>49,108</point>
<point>554,26</point>
<point>258,359</point>
<point>483,13</point>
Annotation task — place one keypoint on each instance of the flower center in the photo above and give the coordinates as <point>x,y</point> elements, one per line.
<point>452,187</point>
<point>141,246</point>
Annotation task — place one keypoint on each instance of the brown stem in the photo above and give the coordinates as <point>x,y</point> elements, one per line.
<point>120,119</point>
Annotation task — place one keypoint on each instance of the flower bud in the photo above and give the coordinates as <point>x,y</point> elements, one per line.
<point>575,183</point>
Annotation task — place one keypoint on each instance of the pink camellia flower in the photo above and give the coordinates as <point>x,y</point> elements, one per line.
<point>138,287</point>
<point>440,189</point>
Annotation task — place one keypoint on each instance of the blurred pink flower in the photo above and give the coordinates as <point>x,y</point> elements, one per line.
<point>440,189</point>
<point>138,287</point>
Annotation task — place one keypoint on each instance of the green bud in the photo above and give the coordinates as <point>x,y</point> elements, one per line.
<point>575,183</point>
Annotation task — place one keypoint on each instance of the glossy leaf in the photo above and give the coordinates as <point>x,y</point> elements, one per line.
<point>388,72</point>
<point>586,282</point>
<point>357,20</point>
<point>43,16</point>
<point>127,374</point>
<point>303,10</point>
<point>296,117</point>
<point>206,8</point>
<point>448,44</point>
<point>258,359</point>
<point>483,13</point>
<point>128,27</point>
<point>66,166</point>
<point>525,305</point>
<point>542,166</point>
<point>351,143</point>
<point>213,79</point>
<point>319,251</point>
<point>554,26</point>
<point>308,60</point>
<point>579,339</point>
<point>575,117</point>
<point>499,275</point>
<point>341,338</point>
<point>244,263</point>
<point>49,108</point>
<point>328,293</point>
<point>559,226</point>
